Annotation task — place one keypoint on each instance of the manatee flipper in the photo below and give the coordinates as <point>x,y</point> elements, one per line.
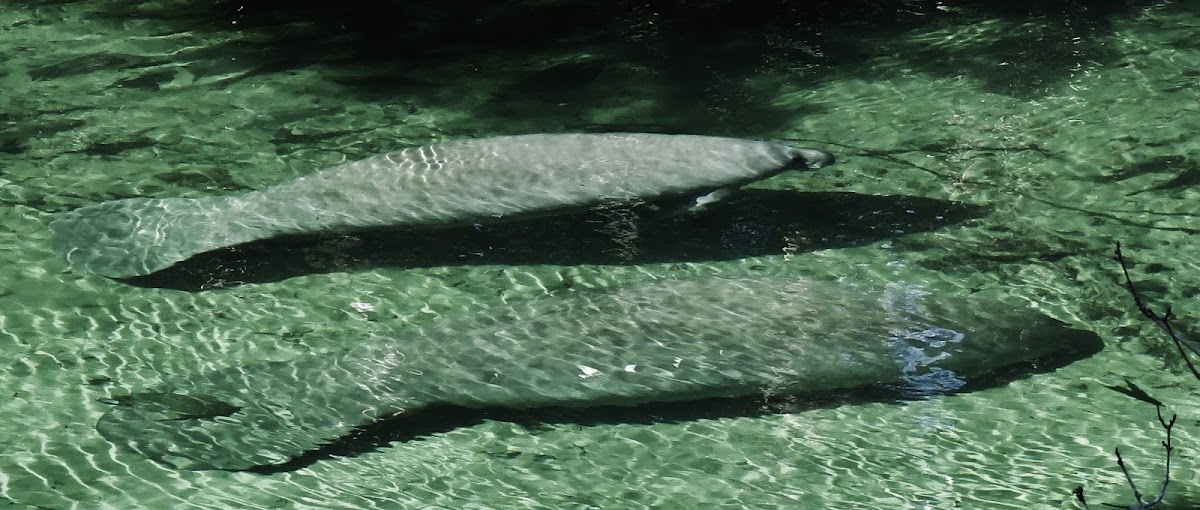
<point>258,415</point>
<point>437,186</point>
<point>701,203</point>
<point>662,341</point>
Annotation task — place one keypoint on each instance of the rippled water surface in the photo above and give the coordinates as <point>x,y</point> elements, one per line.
<point>978,148</point>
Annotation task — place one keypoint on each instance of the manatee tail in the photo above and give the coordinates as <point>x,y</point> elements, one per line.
<point>139,236</point>
<point>258,415</point>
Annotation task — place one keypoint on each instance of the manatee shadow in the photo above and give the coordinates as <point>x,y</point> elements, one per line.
<point>754,223</point>
<point>444,419</point>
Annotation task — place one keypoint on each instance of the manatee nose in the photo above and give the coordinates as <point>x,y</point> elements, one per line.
<point>813,158</point>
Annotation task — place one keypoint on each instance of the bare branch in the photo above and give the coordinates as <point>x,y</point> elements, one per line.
<point>1186,350</point>
<point>1163,321</point>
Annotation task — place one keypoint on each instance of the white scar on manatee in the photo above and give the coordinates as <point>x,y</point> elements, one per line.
<point>660,341</point>
<point>448,184</point>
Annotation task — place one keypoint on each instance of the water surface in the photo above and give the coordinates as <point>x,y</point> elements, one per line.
<point>978,147</point>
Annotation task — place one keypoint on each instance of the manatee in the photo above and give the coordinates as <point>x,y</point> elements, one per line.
<point>437,186</point>
<point>667,340</point>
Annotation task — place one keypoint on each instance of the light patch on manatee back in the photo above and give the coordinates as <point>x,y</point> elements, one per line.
<point>921,375</point>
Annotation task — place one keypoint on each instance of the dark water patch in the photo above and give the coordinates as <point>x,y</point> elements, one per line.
<point>208,179</point>
<point>10,145</point>
<point>1178,173</point>
<point>1155,165</point>
<point>1040,46</point>
<point>116,147</point>
<point>79,65</point>
<point>15,136</point>
<point>149,80</point>
<point>695,66</point>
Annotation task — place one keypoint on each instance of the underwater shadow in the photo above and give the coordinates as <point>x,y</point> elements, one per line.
<point>446,418</point>
<point>753,223</point>
<point>389,47</point>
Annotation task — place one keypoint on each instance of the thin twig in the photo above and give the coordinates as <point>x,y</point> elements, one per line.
<point>1162,492</point>
<point>1137,495</point>
<point>1163,321</point>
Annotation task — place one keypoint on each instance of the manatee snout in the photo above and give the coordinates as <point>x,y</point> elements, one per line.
<point>811,158</point>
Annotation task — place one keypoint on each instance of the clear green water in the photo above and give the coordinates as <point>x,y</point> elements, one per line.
<point>991,147</point>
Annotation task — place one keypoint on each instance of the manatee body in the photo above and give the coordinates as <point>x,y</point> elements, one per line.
<point>666,340</point>
<point>443,185</point>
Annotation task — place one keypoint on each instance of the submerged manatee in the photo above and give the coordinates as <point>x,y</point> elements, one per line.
<point>667,340</point>
<point>443,185</point>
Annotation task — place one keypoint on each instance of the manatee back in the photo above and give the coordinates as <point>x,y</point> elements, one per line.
<point>694,338</point>
<point>517,177</point>
<point>667,340</point>
<point>449,184</point>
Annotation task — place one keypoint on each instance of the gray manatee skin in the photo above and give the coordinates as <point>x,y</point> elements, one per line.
<point>444,185</point>
<point>661,341</point>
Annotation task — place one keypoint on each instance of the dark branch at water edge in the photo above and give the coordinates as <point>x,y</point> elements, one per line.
<point>1163,321</point>
<point>1186,350</point>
